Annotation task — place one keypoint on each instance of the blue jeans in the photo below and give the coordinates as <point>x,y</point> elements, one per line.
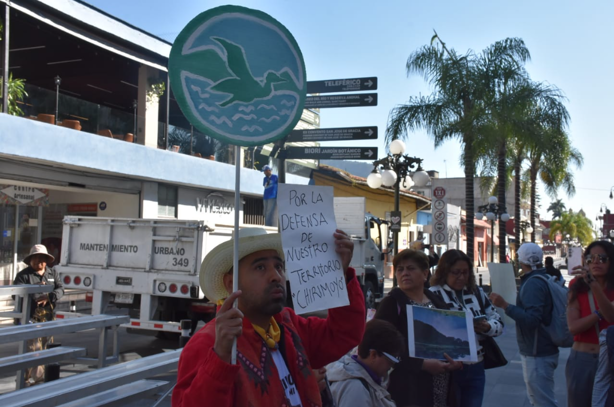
<point>469,385</point>
<point>539,377</point>
<point>270,212</point>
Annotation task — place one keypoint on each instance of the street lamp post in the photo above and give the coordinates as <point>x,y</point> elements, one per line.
<point>58,82</point>
<point>611,195</point>
<point>526,228</point>
<point>135,105</point>
<point>395,170</point>
<point>491,211</point>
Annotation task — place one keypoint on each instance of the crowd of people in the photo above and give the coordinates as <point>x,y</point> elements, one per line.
<point>287,360</point>
<point>283,359</point>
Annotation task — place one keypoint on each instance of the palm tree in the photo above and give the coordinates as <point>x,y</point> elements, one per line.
<point>456,108</point>
<point>551,160</point>
<point>557,208</point>
<point>574,224</point>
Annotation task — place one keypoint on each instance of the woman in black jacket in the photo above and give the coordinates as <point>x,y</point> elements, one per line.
<point>415,382</point>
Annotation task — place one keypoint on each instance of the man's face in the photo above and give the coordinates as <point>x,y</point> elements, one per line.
<point>267,173</point>
<point>262,280</point>
<point>38,262</point>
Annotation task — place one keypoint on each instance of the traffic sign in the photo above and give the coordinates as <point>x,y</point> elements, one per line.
<point>323,102</point>
<point>439,205</point>
<point>440,238</point>
<point>439,215</point>
<point>440,226</point>
<point>329,153</point>
<point>439,192</point>
<point>336,134</point>
<point>342,85</point>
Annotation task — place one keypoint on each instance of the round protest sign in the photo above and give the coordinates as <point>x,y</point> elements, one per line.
<point>238,75</point>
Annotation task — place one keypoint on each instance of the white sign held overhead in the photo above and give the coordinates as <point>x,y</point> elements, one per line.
<point>314,269</point>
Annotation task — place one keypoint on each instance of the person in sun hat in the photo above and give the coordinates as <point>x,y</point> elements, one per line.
<point>42,306</point>
<point>269,197</point>
<point>533,312</point>
<point>276,349</point>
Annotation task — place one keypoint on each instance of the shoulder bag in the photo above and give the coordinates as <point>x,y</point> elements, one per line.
<point>493,357</point>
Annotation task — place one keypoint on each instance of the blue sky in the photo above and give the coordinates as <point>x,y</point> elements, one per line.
<point>568,40</point>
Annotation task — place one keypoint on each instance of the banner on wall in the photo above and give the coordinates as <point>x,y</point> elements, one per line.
<point>20,195</point>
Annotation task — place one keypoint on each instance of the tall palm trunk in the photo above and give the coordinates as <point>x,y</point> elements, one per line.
<point>533,198</point>
<point>517,181</point>
<point>469,199</point>
<point>502,178</point>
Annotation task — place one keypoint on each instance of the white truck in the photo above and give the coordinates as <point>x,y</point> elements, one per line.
<point>151,266</point>
<point>369,233</point>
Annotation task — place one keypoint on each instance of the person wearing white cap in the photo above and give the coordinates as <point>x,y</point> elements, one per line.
<point>276,349</point>
<point>533,310</point>
<point>269,197</point>
<point>42,306</point>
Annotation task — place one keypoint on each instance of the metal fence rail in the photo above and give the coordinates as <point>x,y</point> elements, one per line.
<point>69,389</point>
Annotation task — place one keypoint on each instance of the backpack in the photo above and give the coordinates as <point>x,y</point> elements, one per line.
<point>558,329</point>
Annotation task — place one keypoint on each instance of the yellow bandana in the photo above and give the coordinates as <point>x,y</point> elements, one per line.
<point>272,336</point>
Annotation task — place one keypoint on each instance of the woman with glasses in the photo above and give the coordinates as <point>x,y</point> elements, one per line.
<point>454,283</point>
<point>358,380</point>
<point>589,311</point>
<point>415,382</point>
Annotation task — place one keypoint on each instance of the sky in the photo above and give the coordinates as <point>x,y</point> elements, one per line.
<point>568,41</point>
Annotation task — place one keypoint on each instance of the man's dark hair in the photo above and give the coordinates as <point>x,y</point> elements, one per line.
<point>446,262</point>
<point>549,261</point>
<point>417,256</point>
<point>381,336</point>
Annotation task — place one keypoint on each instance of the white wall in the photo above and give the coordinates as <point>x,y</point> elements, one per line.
<point>117,205</point>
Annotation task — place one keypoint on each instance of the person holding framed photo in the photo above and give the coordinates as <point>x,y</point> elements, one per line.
<point>454,283</point>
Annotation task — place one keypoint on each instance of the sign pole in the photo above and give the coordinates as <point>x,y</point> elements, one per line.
<point>235,254</point>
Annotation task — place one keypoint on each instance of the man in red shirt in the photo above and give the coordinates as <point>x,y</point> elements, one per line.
<point>276,349</point>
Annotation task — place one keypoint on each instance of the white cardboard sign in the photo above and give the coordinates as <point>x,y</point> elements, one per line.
<point>314,269</point>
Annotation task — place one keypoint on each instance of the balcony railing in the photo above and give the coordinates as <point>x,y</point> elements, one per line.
<point>78,114</point>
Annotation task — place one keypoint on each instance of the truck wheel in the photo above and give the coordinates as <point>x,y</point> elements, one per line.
<point>369,290</point>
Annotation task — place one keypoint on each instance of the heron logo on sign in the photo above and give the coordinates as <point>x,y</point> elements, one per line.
<point>238,75</point>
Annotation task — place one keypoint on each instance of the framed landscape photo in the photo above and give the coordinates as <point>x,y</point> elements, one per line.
<point>433,332</point>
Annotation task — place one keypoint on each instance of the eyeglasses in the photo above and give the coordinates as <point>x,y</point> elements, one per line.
<point>393,359</point>
<point>592,258</point>
<point>457,273</point>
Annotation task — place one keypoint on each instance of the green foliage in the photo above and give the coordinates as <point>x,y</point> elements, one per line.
<point>16,93</point>
<point>16,88</point>
<point>574,224</point>
<point>557,208</point>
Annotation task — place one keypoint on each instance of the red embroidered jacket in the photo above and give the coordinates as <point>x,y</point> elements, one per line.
<point>204,379</point>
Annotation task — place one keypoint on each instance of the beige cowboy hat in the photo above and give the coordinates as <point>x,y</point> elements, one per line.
<point>219,260</point>
<point>38,249</point>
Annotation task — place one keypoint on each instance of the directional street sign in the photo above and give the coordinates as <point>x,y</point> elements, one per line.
<point>329,153</point>
<point>336,134</point>
<point>322,102</point>
<point>342,85</point>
